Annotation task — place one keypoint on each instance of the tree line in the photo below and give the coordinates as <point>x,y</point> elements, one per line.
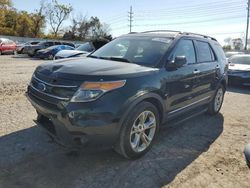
<point>51,14</point>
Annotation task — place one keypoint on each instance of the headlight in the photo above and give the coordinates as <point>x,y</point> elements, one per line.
<point>90,91</point>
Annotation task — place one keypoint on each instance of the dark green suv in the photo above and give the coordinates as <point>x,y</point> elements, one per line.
<point>121,94</point>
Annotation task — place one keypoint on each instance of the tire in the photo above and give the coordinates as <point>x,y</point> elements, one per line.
<point>135,140</point>
<point>215,105</point>
<point>51,57</point>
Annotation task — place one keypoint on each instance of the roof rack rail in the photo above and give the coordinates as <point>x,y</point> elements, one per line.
<point>205,36</point>
<point>152,31</point>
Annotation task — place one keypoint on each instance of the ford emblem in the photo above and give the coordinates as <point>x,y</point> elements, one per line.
<point>41,87</point>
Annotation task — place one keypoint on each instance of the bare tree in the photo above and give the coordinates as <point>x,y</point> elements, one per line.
<point>57,14</point>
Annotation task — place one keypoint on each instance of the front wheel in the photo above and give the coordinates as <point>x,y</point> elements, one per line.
<point>139,131</point>
<point>215,105</point>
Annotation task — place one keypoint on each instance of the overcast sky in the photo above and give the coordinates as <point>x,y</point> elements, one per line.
<point>218,18</point>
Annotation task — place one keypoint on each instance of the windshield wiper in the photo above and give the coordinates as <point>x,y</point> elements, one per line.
<point>111,58</point>
<point>93,56</point>
<point>119,59</point>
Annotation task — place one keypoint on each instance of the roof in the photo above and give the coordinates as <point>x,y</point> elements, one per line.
<point>170,34</point>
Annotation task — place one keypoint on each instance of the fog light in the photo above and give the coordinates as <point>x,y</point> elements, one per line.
<point>84,139</point>
<point>71,115</point>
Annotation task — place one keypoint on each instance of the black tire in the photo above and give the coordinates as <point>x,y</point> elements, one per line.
<point>124,147</point>
<point>20,52</point>
<point>212,109</point>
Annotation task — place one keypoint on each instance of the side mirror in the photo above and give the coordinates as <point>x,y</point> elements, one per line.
<point>178,62</point>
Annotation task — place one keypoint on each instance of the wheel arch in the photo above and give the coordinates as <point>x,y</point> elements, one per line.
<point>153,98</point>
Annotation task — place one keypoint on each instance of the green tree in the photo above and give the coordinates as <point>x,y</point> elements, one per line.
<point>38,21</point>
<point>5,4</point>
<point>24,23</point>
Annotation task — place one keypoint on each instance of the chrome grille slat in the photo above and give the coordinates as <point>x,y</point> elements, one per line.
<point>52,85</point>
<point>49,95</point>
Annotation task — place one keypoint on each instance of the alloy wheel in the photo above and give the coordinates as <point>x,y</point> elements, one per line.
<point>218,99</point>
<point>143,131</point>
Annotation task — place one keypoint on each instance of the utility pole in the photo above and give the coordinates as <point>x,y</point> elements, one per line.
<point>248,4</point>
<point>130,16</point>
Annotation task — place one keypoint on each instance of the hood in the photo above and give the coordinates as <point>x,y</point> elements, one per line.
<point>87,66</point>
<point>239,67</point>
<point>70,53</point>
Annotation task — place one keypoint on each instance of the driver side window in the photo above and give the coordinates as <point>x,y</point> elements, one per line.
<point>185,48</point>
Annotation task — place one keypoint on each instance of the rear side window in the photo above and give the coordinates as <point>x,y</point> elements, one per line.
<point>50,43</point>
<point>219,51</point>
<point>185,48</point>
<point>204,52</point>
<point>69,44</point>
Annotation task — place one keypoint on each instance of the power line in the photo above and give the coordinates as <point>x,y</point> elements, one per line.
<point>198,6</point>
<point>190,22</point>
<point>174,13</point>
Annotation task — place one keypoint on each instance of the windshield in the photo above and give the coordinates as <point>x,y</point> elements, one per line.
<point>32,43</point>
<point>240,60</point>
<point>85,47</point>
<point>146,51</point>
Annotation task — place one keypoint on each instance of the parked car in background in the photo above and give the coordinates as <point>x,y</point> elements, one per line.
<point>7,46</point>
<point>21,46</point>
<point>50,52</point>
<point>82,50</point>
<point>231,53</point>
<point>32,49</point>
<point>239,69</point>
<point>247,154</point>
<point>121,96</point>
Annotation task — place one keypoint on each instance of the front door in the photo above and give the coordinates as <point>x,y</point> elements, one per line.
<point>179,82</point>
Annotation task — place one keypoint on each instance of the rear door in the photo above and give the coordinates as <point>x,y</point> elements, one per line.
<point>12,45</point>
<point>205,71</point>
<point>179,82</point>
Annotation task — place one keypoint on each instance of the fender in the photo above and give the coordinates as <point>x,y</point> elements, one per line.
<point>223,80</point>
<point>131,104</point>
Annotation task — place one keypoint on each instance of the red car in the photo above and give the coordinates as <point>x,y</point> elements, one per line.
<point>7,46</point>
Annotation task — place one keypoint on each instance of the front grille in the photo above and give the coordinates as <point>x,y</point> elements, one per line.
<point>51,93</point>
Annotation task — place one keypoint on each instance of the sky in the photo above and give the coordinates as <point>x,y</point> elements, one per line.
<point>217,18</point>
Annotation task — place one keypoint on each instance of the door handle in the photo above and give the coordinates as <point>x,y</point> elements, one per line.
<point>196,72</point>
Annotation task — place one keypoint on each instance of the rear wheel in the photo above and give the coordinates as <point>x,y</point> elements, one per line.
<point>215,105</point>
<point>139,131</point>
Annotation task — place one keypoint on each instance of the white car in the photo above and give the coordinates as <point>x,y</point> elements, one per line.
<point>82,50</point>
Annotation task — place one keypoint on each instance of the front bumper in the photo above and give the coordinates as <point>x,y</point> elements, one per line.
<point>235,79</point>
<point>41,55</point>
<point>75,125</point>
